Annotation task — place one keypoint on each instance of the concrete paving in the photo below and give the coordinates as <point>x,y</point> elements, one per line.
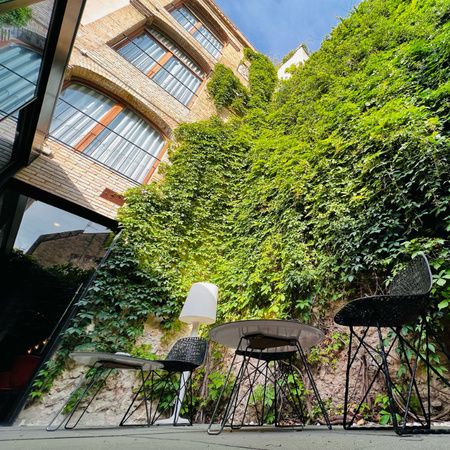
<point>195,437</point>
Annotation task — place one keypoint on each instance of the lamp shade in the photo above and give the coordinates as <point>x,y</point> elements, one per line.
<point>201,304</point>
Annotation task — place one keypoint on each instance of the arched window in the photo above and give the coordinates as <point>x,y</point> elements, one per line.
<point>106,131</point>
<point>19,71</point>
<point>190,22</point>
<point>159,58</point>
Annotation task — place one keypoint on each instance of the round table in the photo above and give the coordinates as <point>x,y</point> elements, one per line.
<point>268,342</point>
<point>232,334</point>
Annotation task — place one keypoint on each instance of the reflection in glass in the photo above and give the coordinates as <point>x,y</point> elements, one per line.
<point>54,252</point>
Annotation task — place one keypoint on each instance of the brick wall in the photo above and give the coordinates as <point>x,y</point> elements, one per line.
<point>81,180</point>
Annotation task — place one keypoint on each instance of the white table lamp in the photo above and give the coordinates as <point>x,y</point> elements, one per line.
<point>200,306</point>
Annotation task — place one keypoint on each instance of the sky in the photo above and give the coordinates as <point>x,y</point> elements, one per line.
<point>275,27</point>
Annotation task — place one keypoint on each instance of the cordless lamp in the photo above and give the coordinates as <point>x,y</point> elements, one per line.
<point>200,306</point>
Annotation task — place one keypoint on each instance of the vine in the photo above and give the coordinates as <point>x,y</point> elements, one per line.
<point>322,185</point>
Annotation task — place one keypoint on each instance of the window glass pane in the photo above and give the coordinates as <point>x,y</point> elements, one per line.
<point>78,111</point>
<point>171,46</point>
<point>208,41</point>
<point>19,71</point>
<point>143,52</point>
<point>205,37</point>
<point>178,80</point>
<point>129,145</point>
<point>184,17</point>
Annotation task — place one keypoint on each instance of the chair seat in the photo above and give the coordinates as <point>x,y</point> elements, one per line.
<point>173,365</point>
<point>383,311</point>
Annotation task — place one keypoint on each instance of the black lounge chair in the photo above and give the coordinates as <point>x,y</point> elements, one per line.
<point>407,303</point>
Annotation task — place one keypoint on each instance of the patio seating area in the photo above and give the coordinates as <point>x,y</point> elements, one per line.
<point>272,355</point>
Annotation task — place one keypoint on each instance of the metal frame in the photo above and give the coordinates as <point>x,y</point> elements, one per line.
<point>35,117</point>
<point>97,381</point>
<point>380,356</point>
<point>164,378</point>
<point>274,371</point>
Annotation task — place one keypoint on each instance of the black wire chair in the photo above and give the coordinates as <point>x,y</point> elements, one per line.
<point>163,387</point>
<point>407,304</point>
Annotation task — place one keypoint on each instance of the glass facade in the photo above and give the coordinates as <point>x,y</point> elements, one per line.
<point>46,253</point>
<point>21,49</point>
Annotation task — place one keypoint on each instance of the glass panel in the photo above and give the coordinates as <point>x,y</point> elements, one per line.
<point>129,145</point>
<point>23,33</point>
<point>53,253</point>
<point>184,17</point>
<point>208,41</point>
<point>170,45</point>
<point>178,80</point>
<point>77,112</point>
<point>205,37</point>
<point>19,71</point>
<point>143,52</point>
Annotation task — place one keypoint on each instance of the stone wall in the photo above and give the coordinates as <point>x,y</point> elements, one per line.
<point>114,398</point>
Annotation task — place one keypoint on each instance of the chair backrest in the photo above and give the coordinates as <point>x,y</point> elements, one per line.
<point>190,349</point>
<point>414,279</point>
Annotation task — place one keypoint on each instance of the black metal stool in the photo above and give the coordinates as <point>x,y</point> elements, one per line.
<point>275,368</point>
<point>406,304</point>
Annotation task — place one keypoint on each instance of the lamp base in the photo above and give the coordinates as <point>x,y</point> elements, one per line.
<point>172,421</point>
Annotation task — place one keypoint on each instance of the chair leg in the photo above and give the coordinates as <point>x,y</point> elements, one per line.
<point>347,380</point>
<point>413,384</point>
<point>388,382</point>
<point>313,384</point>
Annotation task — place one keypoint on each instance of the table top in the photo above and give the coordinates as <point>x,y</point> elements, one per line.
<point>230,334</point>
<point>114,360</point>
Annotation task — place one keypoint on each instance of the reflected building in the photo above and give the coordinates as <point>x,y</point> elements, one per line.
<point>88,105</point>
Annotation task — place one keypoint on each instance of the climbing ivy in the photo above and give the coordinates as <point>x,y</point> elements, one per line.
<point>327,182</point>
<point>227,91</point>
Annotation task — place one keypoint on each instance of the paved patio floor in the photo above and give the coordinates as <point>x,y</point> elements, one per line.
<point>197,438</point>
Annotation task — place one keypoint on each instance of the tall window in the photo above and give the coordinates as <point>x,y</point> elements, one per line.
<point>160,59</point>
<point>201,33</point>
<point>19,71</point>
<point>106,131</point>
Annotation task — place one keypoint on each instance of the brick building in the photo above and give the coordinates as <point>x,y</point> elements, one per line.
<point>141,60</point>
<point>88,105</point>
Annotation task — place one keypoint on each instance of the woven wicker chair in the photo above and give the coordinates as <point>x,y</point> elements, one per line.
<point>406,303</point>
<point>183,358</point>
